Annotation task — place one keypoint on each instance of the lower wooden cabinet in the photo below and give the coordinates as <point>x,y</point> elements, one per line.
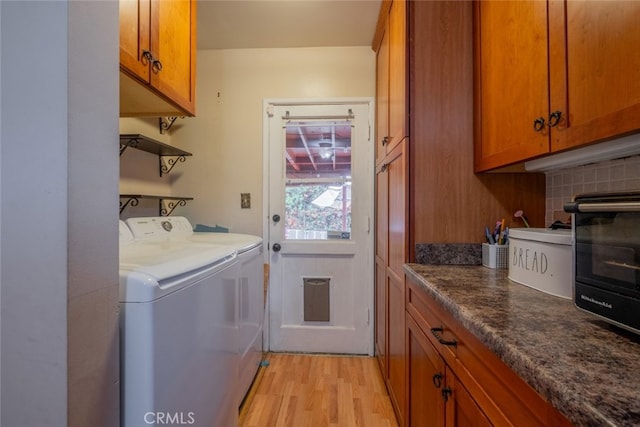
<point>454,380</point>
<point>436,395</point>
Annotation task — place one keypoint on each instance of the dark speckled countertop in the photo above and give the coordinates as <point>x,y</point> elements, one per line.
<point>585,367</point>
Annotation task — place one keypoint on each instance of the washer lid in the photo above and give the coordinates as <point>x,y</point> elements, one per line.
<point>240,242</point>
<point>167,259</point>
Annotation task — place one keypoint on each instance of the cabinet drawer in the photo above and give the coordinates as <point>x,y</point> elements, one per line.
<point>433,321</point>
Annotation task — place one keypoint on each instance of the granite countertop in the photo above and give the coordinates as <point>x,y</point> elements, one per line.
<point>589,370</point>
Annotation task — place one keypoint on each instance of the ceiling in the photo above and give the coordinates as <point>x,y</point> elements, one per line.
<point>241,24</point>
<point>318,149</point>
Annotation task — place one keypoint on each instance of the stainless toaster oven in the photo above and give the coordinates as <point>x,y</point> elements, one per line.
<point>607,256</point>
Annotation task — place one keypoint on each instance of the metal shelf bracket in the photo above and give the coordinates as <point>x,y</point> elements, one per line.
<point>170,206</point>
<point>133,201</point>
<point>126,143</point>
<point>166,167</point>
<point>165,123</point>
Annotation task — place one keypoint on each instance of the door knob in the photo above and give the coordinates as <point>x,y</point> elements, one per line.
<point>276,247</point>
<point>276,218</point>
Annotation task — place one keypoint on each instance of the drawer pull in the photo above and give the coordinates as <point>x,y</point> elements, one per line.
<point>436,333</point>
<point>437,380</point>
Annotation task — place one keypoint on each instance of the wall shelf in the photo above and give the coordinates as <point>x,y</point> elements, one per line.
<point>166,204</point>
<point>162,150</point>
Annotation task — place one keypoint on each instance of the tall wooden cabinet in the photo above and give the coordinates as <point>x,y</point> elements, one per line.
<point>391,198</point>
<point>426,189</point>
<point>157,57</point>
<point>552,76</point>
<point>391,254</point>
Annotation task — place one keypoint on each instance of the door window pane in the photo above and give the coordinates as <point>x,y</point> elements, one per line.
<point>318,185</point>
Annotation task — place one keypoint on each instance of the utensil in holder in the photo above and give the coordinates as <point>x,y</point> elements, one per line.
<point>495,256</point>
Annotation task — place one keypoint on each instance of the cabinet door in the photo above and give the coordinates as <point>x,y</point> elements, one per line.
<point>461,409</point>
<point>397,250</point>
<point>426,373</point>
<point>397,73</point>
<point>381,325</point>
<point>382,96</point>
<point>134,37</point>
<point>396,344</point>
<point>511,84</point>
<point>398,210</point>
<point>381,285</point>
<point>600,96</point>
<point>173,41</point>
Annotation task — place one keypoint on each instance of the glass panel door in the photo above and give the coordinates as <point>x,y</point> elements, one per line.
<point>318,180</point>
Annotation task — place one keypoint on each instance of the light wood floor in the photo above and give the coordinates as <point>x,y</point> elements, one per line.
<point>300,390</point>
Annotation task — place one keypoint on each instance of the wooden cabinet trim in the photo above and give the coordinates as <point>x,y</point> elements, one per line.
<point>383,17</point>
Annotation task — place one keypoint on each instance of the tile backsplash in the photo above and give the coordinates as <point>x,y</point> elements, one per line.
<point>610,175</point>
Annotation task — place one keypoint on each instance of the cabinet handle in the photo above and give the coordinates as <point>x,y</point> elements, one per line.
<point>384,167</point>
<point>146,57</point>
<point>437,380</point>
<point>538,124</point>
<point>446,392</point>
<point>436,333</point>
<point>554,118</point>
<point>156,66</point>
<point>385,141</point>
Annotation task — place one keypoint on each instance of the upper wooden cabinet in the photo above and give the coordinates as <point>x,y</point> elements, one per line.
<point>391,80</point>
<point>157,57</point>
<point>553,75</point>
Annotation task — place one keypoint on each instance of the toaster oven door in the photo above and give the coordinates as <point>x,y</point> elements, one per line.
<point>608,251</point>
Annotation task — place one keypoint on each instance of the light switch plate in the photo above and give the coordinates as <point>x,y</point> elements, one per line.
<point>245,200</point>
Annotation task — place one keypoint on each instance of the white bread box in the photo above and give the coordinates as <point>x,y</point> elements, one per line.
<point>542,259</point>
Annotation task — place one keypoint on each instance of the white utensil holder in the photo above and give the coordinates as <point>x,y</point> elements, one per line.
<point>495,256</point>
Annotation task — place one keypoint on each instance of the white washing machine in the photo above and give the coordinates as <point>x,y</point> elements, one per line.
<point>250,303</point>
<point>178,331</point>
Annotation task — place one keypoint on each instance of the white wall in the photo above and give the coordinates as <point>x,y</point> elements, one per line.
<point>58,229</point>
<point>34,197</point>
<point>92,216</point>
<point>226,136</point>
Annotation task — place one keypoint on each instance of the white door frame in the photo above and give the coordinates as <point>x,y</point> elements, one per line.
<point>268,105</point>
